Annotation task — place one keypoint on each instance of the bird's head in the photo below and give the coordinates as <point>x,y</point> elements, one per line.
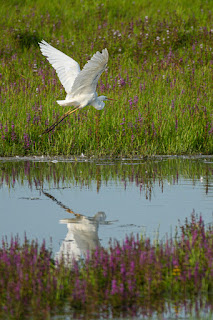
<point>104,98</point>
<point>99,102</point>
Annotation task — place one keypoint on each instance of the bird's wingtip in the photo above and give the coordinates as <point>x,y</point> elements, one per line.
<point>105,52</point>
<point>42,42</point>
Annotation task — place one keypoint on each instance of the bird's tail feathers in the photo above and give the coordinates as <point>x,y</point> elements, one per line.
<point>67,103</point>
<point>63,103</point>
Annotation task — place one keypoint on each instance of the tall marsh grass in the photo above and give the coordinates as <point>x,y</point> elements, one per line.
<point>159,71</point>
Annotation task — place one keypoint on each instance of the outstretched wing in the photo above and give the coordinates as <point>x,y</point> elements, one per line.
<point>67,69</point>
<point>87,80</point>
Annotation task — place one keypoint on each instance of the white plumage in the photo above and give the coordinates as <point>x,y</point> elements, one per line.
<point>80,85</point>
<point>67,69</point>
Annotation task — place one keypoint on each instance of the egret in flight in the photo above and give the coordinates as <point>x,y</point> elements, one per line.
<point>80,85</point>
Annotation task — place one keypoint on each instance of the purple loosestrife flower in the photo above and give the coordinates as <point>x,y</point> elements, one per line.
<point>121,289</point>
<point>28,117</point>
<point>122,123</point>
<point>114,287</point>
<point>36,119</point>
<point>13,136</point>
<point>211,130</point>
<point>26,141</point>
<point>153,129</point>
<point>126,274</point>
<point>123,269</point>
<point>132,267</point>
<point>130,103</point>
<point>140,118</point>
<point>130,285</point>
<point>176,123</point>
<point>135,100</point>
<point>115,82</point>
<point>121,82</point>
<point>173,104</point>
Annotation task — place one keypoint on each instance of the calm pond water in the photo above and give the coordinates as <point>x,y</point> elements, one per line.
<point>77,204</point>
<point>84,203</point>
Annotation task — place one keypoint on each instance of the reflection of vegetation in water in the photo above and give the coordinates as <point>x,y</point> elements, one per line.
<point>132,278</point>
<point>143,174</point>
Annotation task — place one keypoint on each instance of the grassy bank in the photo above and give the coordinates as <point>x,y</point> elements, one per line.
<point>136,277</point>
<point>160,72</point>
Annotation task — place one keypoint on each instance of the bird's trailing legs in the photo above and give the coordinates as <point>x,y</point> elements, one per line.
<point>61,204</point>
<point>60,120</point>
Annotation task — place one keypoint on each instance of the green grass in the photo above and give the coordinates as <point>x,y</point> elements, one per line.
<point>159,71</point>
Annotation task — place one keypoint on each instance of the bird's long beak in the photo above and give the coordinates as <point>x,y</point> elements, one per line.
<point>111,99</point>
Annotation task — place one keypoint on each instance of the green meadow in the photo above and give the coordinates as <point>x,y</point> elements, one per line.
<point>159,71</point>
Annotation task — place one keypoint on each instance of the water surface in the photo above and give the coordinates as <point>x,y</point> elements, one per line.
<point>77,205</point>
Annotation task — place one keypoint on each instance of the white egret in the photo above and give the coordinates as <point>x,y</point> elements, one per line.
<point>80,85</point>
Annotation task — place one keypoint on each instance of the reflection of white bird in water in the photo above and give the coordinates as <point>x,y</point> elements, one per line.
<point>82,235</point>
<point>80,85</point>
<point>81,238</point>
